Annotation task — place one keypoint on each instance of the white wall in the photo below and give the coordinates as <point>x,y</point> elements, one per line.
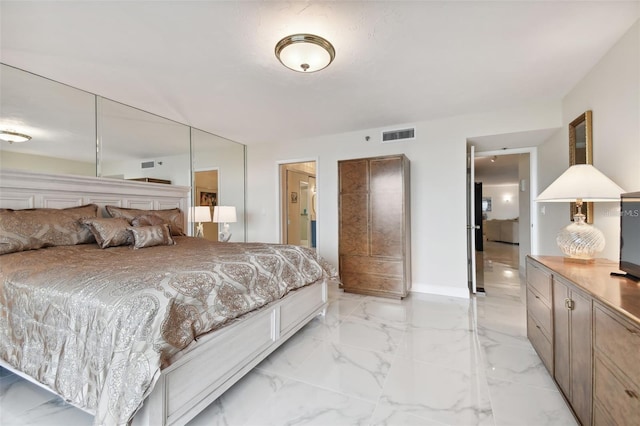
<point>44,164</point>
<point>612,91</point>
<point>505,202</point>
<point>438,186</point>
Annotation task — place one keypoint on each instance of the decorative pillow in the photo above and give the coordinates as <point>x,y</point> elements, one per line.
<point>31,229</point>
<point>148,220</point>
<point>149,236</point>
<point>109,232</point>
<point>173,217</point>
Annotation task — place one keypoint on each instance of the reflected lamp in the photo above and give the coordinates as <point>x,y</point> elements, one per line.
<point>224,215</point>
<point>199,214</point>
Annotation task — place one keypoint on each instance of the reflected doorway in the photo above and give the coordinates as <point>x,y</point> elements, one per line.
<point>206,183</point>
<point>299,203</point>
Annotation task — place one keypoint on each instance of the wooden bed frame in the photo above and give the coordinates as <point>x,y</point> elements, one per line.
<point>208,367</point>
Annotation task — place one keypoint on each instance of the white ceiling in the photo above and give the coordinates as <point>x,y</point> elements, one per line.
<point>502,171</point>
<point>211,64</point>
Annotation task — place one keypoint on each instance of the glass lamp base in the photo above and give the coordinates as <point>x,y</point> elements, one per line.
<point>579,240</point>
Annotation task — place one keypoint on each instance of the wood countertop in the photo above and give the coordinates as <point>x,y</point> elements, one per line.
<point>619,293</point>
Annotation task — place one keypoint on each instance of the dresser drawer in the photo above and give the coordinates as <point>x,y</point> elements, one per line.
<point>540,342</point>
<point>540,280</point>
<point>620,342</point>
<point>540,311</point>
<point>619,400</point>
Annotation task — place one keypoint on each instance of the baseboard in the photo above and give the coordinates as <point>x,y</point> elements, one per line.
<point>440,290</point>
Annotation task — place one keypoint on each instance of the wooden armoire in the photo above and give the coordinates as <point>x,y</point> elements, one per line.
<point>374,225</point>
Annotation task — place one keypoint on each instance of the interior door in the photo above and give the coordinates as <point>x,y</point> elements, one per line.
<point>471,221</point>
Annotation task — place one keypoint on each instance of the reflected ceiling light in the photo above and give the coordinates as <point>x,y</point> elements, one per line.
<point>11,136</point>
<point>305,52</point>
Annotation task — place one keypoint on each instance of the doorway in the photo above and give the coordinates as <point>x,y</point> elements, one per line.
<point>207,194</point>
<point>505,217</point>
<point>299,203</point>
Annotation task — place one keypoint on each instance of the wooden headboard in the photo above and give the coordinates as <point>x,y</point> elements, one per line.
<point>24,190</point>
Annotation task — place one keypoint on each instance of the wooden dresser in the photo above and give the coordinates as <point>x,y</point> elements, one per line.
<point>374,220</point>
<point>585,325</point>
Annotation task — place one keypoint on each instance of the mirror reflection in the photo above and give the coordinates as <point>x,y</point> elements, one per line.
<point>218,179</point>
<point>79,133</point>
<point>60,119</point>
<point>138,145</point>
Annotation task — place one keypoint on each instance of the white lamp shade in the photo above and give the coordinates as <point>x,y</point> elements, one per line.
<point>224,214</point>
<point>199,214</point>
<point>582,181</point>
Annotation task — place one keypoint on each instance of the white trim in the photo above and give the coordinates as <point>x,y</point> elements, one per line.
<point>441,290</point>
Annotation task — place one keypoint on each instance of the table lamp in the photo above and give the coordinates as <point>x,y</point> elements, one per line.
<point>580,241</point>
<point>225,215</point>
<point>199,214</point>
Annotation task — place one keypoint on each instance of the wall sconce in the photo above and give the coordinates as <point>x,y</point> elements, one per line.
<point>225,215</point>
<point>199,214</point>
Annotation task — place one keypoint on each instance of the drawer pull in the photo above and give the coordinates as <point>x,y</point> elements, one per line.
<point>568,303</point>
<point>537,297</point>
<point>632,331</point>
<point>538,327</point>
<point>631,393</point>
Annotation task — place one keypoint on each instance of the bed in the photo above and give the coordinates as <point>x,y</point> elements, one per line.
<point>151,335</point>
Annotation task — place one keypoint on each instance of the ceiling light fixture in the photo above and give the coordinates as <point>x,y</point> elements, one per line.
<point>305,52</point>
<point>11,136</point>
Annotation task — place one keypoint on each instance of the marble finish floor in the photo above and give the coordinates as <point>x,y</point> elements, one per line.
<point>426,360</point>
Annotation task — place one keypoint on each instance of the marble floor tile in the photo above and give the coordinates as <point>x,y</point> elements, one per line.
<point>386,415</point>
<point>438,394</point>
<point>368,335</point>
<point>384,311</point>
<point>241,401</point>
<point>455,349</point>
<point>351,371</point>
<point>518,364</point>
<point>298,403</point>
<point>427,360</point>
<point>522,405</point>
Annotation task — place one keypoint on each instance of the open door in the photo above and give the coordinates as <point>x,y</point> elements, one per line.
<point>471,221</point>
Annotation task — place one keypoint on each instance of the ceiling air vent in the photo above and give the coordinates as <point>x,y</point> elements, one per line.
<point>148,164</point>
<point>398,135</point>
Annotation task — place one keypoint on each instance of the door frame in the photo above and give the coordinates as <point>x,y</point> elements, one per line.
<point>281,197</point>
<point>533,188</point>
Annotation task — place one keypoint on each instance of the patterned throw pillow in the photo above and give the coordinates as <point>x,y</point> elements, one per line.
<point>148,220</point>
<point>149,236</point>
<point>31,229</point>
<point>173,217</point>
<point>110,232</point>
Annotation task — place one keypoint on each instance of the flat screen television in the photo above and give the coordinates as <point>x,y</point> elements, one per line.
<point>630,234</point>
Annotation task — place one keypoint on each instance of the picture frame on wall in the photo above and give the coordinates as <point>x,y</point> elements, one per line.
<point>206,197</point>
<point>294,197</point>
<point>486,204</point>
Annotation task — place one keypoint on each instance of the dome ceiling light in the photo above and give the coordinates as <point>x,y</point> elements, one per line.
<point>305,52</point>
<point>11,136</point>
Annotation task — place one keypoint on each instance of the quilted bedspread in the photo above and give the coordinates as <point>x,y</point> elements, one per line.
<point>96,325</point>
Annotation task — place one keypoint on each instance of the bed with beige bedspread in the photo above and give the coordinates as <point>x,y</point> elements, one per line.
<point>97,325</point>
